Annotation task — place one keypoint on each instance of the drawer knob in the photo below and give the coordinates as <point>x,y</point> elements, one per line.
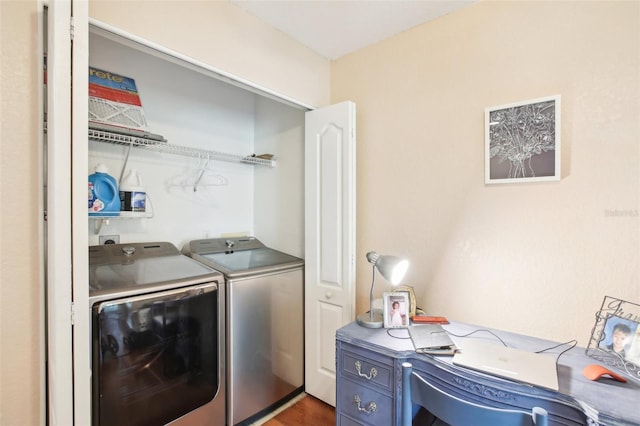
<point>328,295</point>
<point>370,408</point>
<point>372,372</point>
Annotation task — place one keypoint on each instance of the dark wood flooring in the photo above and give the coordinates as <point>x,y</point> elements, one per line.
<point>307,411</point>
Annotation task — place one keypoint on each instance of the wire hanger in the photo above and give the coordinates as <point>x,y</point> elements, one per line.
<point>201,177</point>
<point>204,169</point>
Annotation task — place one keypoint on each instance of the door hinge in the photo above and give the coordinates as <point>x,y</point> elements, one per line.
<point>72,28</point>
<point>73,313</point>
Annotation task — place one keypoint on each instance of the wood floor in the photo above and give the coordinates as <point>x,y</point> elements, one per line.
<point>306,411</point>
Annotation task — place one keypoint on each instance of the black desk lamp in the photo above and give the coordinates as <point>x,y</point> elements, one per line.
<point>393,270</point>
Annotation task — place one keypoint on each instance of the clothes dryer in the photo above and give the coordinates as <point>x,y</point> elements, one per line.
<point>158,344</point>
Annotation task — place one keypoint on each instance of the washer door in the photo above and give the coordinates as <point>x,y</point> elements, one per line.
<point>155,357</point>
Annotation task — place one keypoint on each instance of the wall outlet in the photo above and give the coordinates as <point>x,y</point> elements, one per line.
<point>109,239</point>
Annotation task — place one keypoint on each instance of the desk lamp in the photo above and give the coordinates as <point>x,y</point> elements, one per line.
<point>392,269</point>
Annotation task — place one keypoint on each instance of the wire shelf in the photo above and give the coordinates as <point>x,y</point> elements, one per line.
<point>158,146</point>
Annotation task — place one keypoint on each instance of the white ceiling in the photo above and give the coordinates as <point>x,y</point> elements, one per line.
<point>334,28</point>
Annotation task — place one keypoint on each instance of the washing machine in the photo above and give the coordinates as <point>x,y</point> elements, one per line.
<point>265,340</point>
<point>158,344</point>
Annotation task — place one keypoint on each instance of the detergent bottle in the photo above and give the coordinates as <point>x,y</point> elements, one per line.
<point>104,199</point>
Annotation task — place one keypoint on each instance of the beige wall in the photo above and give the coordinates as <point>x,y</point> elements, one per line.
<point>535,258</point>
<point>21,298</point>
<point>225,36</point>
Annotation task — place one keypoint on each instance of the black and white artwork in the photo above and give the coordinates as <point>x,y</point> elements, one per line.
<point>522,141</point>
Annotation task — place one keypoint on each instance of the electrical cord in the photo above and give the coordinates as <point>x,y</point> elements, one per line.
<point>478,330</point>
<point>397,337</point>
<point>573,343</point>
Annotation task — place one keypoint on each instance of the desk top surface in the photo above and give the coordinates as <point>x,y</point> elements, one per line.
<point>605,400</point>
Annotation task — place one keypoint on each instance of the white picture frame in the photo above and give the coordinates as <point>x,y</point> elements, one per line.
<point>396,308</point>
<point>522,141</point>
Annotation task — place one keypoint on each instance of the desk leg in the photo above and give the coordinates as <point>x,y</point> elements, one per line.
<point>407,407</point>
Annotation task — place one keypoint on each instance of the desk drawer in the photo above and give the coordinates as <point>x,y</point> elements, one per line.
<point>347,421</point>
<point>364,405</point>
<point>367,371</point>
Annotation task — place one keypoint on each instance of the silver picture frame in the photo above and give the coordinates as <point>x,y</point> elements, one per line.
<point>396,308</point>
<point>522,141</point>
<point>615,336</point>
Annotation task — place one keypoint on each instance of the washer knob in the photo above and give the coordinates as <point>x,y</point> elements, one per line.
<point>128,250</point>
<point>230,243</point>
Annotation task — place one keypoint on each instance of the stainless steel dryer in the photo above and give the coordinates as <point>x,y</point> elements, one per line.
<point>265,341</point>
<point>158,321</point>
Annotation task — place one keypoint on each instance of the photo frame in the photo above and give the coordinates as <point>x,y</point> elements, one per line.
<point>395,309</point>
<point>522,141</point>
<point>412,298</point>
<point>615,337</point>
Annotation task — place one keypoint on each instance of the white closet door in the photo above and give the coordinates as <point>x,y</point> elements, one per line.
<point>330,228</point>
<point>58,225</point>
<point>68,344</point>
<point>80,218</point>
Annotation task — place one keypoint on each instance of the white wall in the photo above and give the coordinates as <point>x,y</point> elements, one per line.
<point>192,110</point>
<point>279,197</point>
<point>535,258</point>
<point>267,60</point>
<point>225,36</point>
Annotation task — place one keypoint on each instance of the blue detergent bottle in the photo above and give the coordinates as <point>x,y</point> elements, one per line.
<point>104,198</point>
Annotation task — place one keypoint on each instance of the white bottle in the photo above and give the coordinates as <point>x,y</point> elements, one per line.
<point>133,197</point>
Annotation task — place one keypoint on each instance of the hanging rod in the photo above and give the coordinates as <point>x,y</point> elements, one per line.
<point>153,145</point>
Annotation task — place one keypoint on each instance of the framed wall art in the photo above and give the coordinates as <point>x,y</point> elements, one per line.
<point>615,337</point>
<point>522,141</point>
<point>396,309</point>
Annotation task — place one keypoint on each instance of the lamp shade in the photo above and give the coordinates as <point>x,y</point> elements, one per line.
<point>392,268</point>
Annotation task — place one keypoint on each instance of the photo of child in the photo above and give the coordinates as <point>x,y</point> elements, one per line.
<point>397,317</point>
<point>617,336</point>
<point>396,308</point>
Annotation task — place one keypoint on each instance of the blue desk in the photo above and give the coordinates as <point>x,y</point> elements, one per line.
<point>368,378</point>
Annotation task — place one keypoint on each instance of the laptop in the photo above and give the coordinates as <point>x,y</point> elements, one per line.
<point>508,363</point>
<point>431,339</point>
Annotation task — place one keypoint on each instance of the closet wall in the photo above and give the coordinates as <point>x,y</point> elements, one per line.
<point>190,108</point>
